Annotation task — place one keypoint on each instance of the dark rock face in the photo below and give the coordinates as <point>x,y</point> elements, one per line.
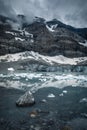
<point>63,40</point>
<point>26,100</point>
<point>80,31</point>
<point>60,42</point>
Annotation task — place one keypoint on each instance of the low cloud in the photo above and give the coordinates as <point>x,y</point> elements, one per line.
<point>68,11</point>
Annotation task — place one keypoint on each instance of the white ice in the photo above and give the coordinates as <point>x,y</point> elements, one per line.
<point>20,39</point>
<point>51,95</point>
<point>60,59</point>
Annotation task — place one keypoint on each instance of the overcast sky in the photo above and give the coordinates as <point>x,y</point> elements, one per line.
<point>73,12</point>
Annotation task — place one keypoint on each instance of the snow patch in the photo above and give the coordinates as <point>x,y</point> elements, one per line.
<point>19,39</point>
<point>49,28</point>
<point>27,34</point>
<point>84,44</point>
<point>54,26</point>
<point>8,32</point>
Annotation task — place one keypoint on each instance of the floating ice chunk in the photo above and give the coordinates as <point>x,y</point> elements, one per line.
<point>83,100</point>
<point>43,80</point>
<point>44,101</point>
<point>10,69</point>
<point>1,75</point>
<point>64,91</point>
<point>61,94</point>
<point>51,95</point>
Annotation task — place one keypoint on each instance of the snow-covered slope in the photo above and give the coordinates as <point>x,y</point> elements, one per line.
<point>30,55</point>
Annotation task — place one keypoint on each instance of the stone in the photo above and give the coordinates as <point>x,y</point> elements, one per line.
<point>26,100</point>
<point>33,114</point>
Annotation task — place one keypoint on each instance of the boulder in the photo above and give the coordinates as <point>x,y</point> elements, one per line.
<point>26,100</point>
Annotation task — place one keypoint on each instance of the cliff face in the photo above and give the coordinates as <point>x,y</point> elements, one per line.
<point>48,38</point>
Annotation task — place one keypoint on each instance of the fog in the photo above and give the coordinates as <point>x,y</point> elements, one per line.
<point>68,11</point>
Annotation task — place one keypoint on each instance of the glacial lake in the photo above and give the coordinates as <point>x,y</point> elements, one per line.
<point>61,101</point>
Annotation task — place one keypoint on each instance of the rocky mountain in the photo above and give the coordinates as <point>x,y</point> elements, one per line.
<point>45,37</point>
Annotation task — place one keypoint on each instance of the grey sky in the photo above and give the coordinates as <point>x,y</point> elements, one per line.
<point>73,12</point>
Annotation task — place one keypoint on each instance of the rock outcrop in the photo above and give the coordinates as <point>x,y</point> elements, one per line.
<point>26,100</point>
<point>48,38</point>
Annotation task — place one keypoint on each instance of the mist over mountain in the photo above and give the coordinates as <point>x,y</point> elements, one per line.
<point>68,11</point>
